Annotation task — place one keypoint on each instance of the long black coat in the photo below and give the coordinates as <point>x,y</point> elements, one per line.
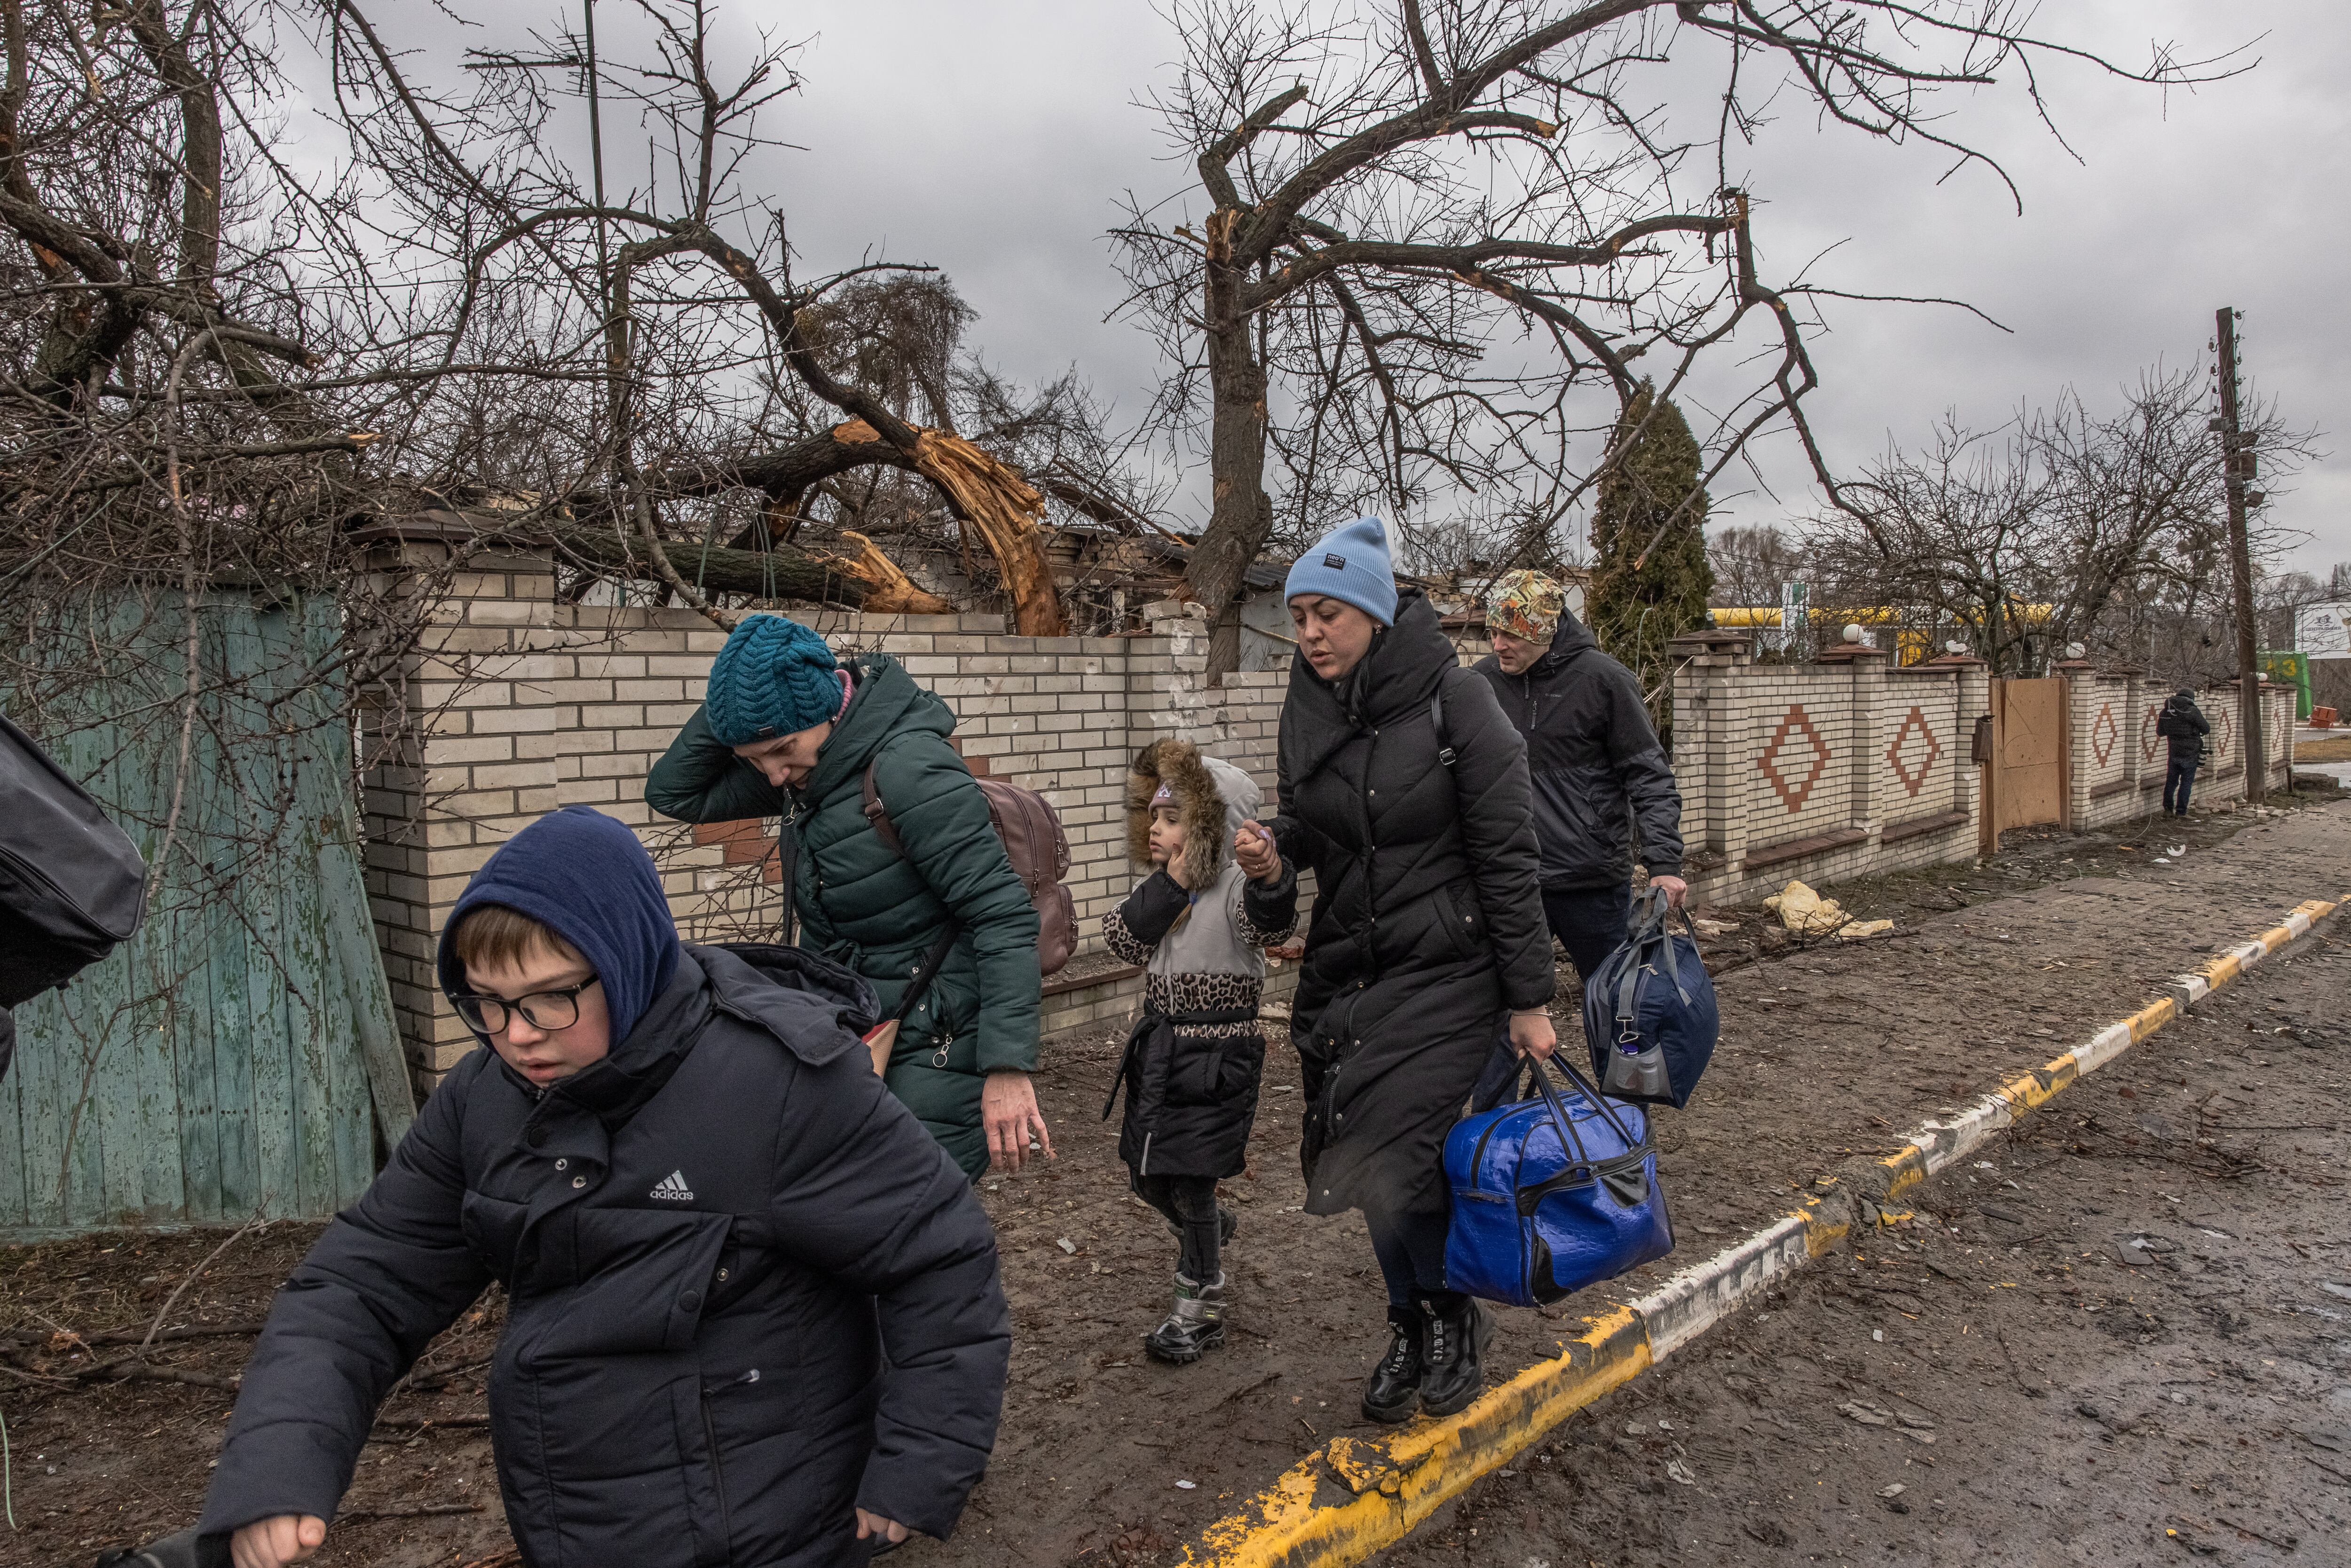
<point>1428,920</point>
<point>706,1239</point>
<point>1595,762</point>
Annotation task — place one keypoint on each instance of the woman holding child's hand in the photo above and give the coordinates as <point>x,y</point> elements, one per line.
<point>1253,848</point>
<point>1406,790</point>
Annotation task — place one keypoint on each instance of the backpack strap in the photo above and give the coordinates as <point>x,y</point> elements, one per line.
<point>788,857</point>
<point>878,814</point>
<point>1436,722</point>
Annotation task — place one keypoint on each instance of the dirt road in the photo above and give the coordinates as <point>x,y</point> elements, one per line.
<point>2116,1338</point>
<point>1825,1052</point>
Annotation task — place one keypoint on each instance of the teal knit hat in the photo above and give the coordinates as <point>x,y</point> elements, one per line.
<point>774,677</point>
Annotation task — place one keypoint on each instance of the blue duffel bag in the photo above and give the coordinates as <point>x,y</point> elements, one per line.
<point>1551,1194</point>
<point>1650,1012</point>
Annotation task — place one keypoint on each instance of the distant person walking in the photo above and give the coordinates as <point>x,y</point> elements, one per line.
<point>788,731</point>
<point>2183,723</point>
<point>1598,768</point>
<point>1404,790</point>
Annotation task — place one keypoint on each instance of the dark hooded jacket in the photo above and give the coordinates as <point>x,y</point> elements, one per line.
<point>2183,727</point>
<point>705,1238</point>
<point>1428,921</point>
<point>878,911</point>
<point>1596,767</point>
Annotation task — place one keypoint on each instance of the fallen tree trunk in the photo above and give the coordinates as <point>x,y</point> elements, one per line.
<point>780,573</point>
<point>889,591</point>
<point>992,498</point>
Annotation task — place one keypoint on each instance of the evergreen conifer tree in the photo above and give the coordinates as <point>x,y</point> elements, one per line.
<point>1634,612</point>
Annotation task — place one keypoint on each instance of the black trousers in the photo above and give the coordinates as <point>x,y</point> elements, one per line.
<point>2179,778</point>
<point>1190,1205</point>
<point>1590,922</point>
<point>1410,1247</point>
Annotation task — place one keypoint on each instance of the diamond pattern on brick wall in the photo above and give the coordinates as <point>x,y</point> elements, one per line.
<point>1796,721</point>
<point>2148,741</point>
<point>2224,732</point>
<point>2103,732</point>
<point>1913,780</point>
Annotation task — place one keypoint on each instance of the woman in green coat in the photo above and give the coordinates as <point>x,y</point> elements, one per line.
<point>787,731</point>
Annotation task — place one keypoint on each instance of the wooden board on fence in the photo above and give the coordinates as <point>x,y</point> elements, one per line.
<point>237,1057</point>
<point>2025,782</point>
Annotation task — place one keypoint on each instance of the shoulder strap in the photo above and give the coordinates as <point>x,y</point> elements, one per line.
<point>878,814</point>
<point>788,854</point>
<point>928,969</point>
<point>886,831</point>
<point>1436,722</point>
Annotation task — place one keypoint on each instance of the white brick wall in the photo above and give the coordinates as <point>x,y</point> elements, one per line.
<point>1823,757</point>
<point>519,704</point>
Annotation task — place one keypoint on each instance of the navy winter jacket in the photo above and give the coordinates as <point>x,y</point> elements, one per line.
<point>708,1239</point>
<point>1597,766</point>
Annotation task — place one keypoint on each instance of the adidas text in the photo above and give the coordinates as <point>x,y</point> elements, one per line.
<point>673,1187</point>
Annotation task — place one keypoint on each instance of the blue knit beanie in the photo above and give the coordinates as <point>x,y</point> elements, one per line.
<point>585,877</point>
<point>1350,564</point>
<point>774,677</point>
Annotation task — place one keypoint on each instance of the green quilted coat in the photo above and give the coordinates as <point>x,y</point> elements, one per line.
<point>878,912</point>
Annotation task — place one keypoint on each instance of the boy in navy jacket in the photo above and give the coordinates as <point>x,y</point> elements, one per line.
<point>709,1217</point>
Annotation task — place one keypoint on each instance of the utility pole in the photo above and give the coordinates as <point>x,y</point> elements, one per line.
<point>2238,464</point>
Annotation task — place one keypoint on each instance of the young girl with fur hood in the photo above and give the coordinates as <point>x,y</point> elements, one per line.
<point>1199,925</point>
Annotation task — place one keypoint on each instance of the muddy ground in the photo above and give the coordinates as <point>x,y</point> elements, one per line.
<point>1826,1050</point>
<point>2116,1338</point>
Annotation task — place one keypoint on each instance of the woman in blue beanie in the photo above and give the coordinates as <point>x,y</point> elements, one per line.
<point>678,1163</point>
<point>786,730</point>
<point>1406,788</point>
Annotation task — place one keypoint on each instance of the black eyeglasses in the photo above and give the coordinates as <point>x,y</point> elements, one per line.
<point>549,1011</point>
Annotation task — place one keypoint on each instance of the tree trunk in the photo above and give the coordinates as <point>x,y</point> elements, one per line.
<point>1240,515</point>
<point>782,573</point>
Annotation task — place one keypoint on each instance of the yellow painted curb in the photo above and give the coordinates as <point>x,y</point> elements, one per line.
<point>1352,1497</point>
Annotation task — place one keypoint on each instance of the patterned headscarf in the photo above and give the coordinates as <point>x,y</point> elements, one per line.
<point>1526,604</point>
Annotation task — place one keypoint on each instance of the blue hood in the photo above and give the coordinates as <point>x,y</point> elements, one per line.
<point>585,877</point>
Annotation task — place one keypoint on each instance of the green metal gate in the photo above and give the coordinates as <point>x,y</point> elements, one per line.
<point>238,1057</point>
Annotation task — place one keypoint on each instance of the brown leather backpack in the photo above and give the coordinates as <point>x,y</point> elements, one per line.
<point>1033,842</point>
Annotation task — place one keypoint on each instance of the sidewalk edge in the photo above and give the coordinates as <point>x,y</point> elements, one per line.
<point>1352,1497</point>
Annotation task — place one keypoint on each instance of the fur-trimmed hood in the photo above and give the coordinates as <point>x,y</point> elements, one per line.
<point>1214,797</point>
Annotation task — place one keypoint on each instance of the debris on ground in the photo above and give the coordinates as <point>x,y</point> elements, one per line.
<point>1804,913</point>
<point>1829,1050</point>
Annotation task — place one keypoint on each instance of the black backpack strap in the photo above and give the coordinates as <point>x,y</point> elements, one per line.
<point>1436,722</point>
<point>788,857</point>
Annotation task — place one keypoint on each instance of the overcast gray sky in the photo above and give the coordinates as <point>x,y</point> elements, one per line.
<point>993,138</point>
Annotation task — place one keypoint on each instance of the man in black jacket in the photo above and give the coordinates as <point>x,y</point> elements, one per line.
<point>710,1219</point>
<point>1598,768</point>
<point>2183,724</point>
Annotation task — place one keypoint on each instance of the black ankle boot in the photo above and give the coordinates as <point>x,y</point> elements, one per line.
<point>1456,1352</point>
<point>1393,1391</point>
<point>1197,1323</point>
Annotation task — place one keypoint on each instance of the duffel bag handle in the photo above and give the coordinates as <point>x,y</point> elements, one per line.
<point>1568,1136</point>
<point>1656,920</point>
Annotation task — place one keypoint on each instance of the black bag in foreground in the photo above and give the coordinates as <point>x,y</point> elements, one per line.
<point>71,883</point>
